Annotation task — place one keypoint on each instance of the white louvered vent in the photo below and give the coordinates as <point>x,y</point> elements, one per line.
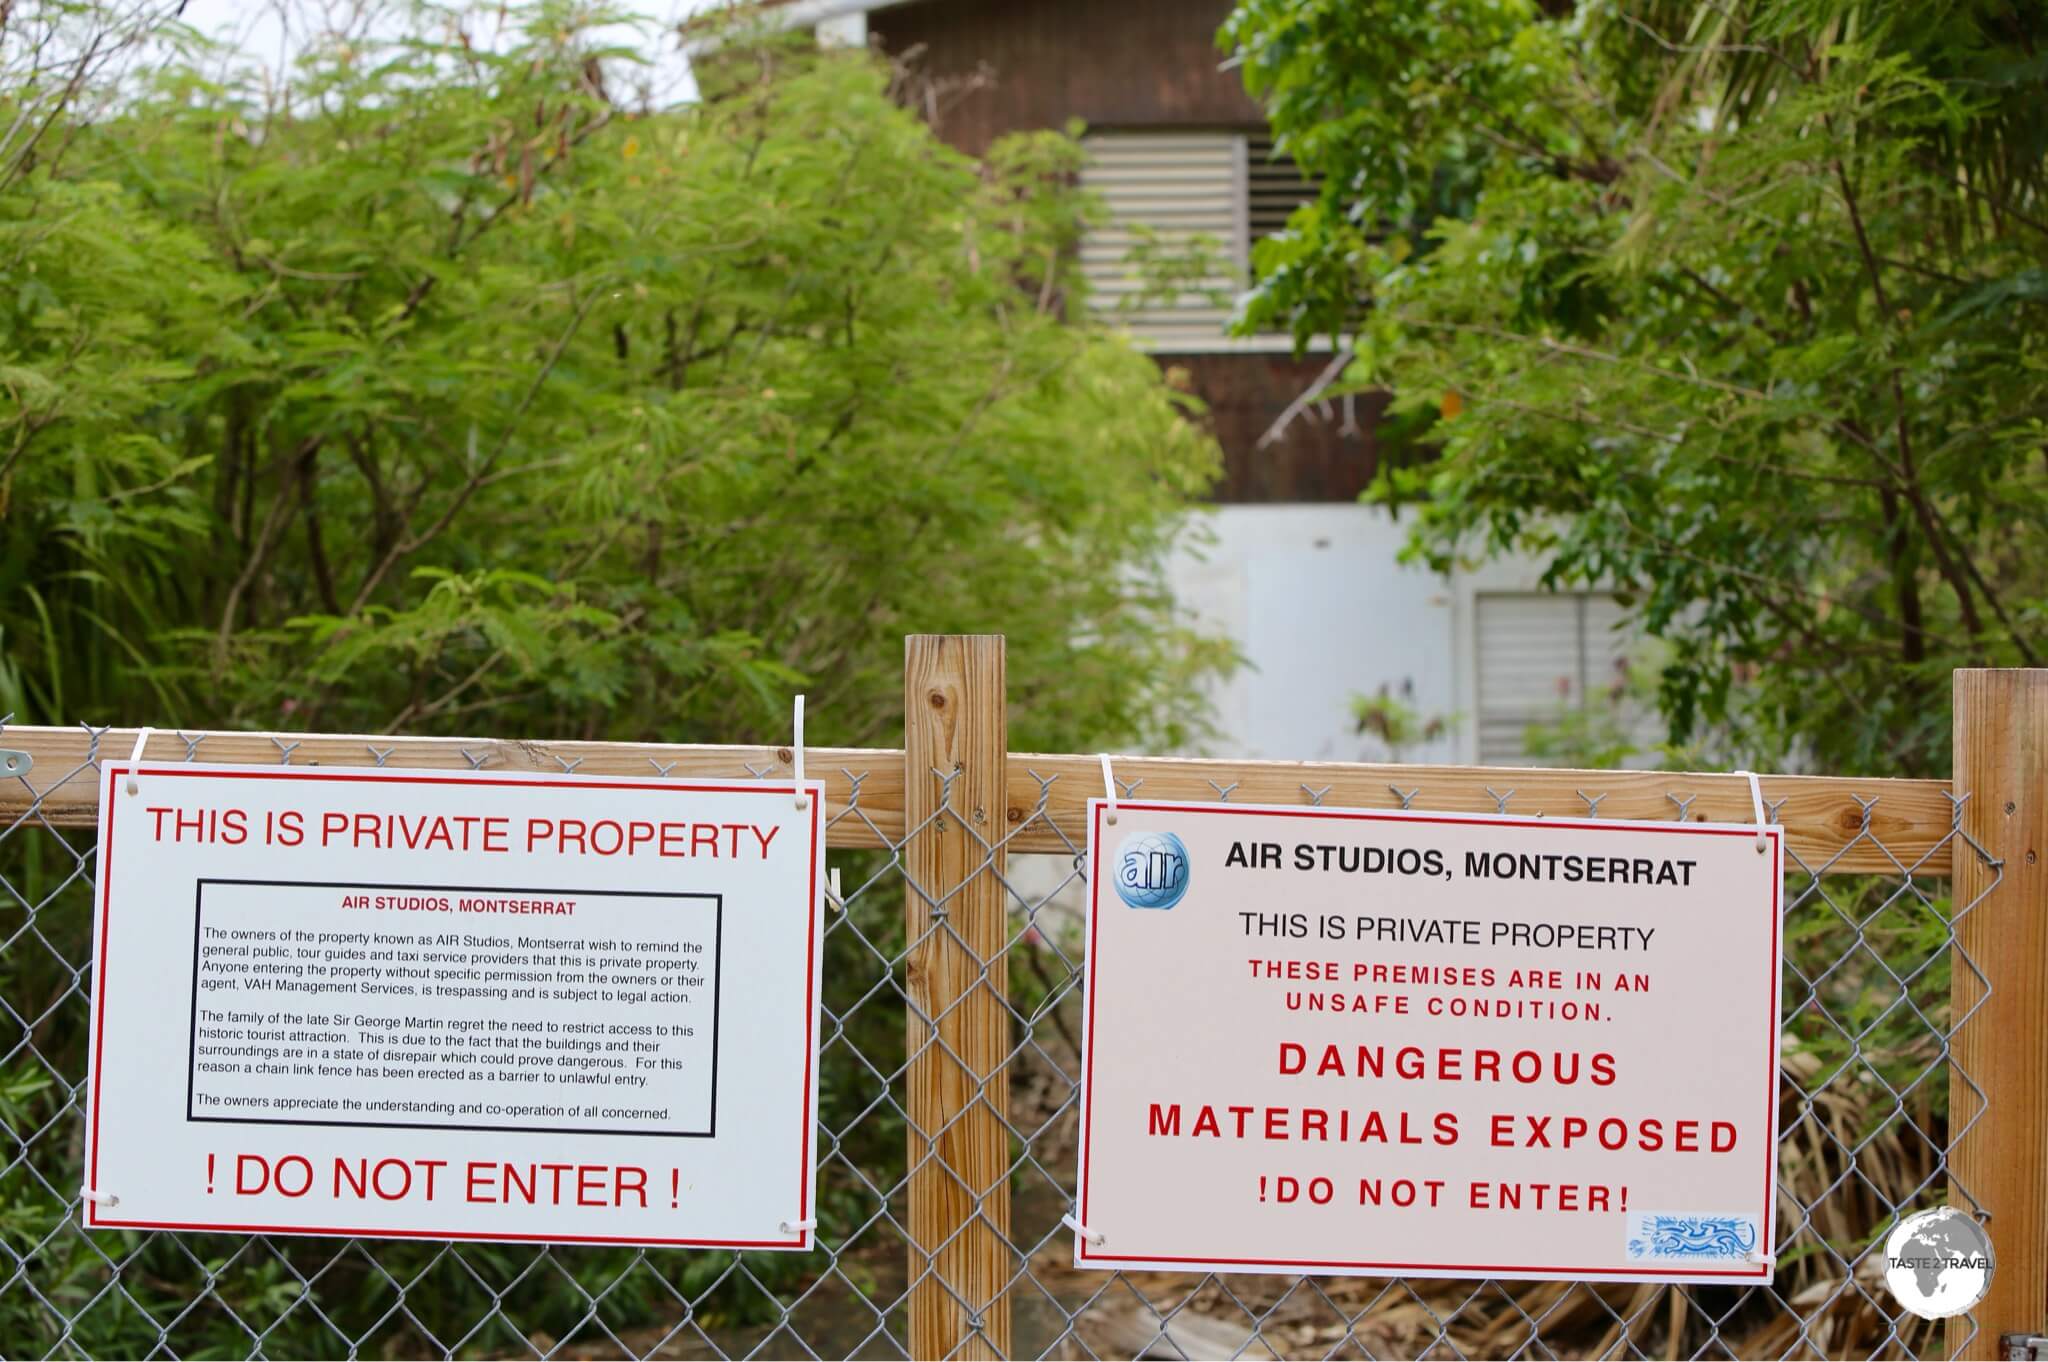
<point>1183,186</point>
<point>1538,654</point>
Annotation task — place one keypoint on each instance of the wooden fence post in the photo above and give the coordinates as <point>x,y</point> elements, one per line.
<point>2001,762</point>
<point>955,754</point>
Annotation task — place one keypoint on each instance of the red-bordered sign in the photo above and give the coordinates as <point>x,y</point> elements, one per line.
<point>407,1004</point>
<point>1393,1043</point>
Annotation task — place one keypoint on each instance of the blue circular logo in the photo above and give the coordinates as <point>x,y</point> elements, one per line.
<point>1151,870</point>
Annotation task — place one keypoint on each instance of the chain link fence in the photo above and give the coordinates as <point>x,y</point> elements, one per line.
<point>1867,1124</point>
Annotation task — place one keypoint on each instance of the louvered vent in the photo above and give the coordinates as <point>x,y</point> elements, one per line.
<point>1274,188</point>
<point>1540,654</point>
<point>1165,190</point>
<point>1183,187</point>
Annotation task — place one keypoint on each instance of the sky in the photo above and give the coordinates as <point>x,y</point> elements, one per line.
<point>271,30</point>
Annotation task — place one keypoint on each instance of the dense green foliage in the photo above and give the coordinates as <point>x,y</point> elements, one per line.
<point>438,391</point>
<point>1739,308</point>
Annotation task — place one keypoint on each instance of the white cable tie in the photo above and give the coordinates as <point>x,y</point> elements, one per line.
<point>141,739</point>
<point>838,895</point>
<point>1756,804</point>
<point>107,1199</point>
<point>796,1226</point>
<point>802,800</point>
<point>1108,787</point>
<point>1094,1240</point>
<point>1757,1255</point>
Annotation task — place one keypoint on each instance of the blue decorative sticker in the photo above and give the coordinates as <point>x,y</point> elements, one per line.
<point>1665,1237</point>
<point>1151,870</point>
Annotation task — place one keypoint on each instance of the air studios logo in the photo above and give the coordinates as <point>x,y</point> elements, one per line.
<point>1150,870</point>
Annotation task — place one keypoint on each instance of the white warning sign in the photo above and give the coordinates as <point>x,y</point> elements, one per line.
<point>1444,1045</point>
<point>455,1005</point>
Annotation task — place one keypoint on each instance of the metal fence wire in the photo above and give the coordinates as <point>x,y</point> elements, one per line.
<point>1866,1130</point>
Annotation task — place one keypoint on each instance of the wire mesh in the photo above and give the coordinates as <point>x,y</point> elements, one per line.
<point>1865,1132</point>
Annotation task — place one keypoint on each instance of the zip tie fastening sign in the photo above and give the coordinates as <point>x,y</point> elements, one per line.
<point>797,756</point>
<point>1108,788</point>
<point>141,740</point>
<point>1073,1222</point>
<point>1756,804</point>
<point>107,1199</point>
<point>797,1226</point>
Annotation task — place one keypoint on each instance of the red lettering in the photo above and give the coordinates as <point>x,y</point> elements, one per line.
<point>391,1188</point>
<point>301,1171</point>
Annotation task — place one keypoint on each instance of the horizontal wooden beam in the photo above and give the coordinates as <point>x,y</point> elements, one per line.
<point>64,782</point>
<point>1909,821</point>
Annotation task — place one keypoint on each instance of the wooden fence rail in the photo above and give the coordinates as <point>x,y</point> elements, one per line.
<point>1909,821</point>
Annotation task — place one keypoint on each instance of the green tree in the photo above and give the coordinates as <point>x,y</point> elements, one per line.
<point>1736,306</point>
<point>436,388</point>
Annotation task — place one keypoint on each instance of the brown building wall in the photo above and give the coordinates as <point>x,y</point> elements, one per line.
<point>1315,460</point>
<point>1135,64</point>
<point>1110,63</point>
